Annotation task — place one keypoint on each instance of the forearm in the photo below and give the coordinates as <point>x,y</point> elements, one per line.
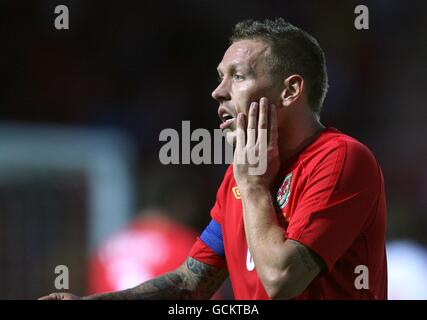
<point>193,280</point>
<point>168,286</point>
<point>263,232</point>
<point>285,267</point>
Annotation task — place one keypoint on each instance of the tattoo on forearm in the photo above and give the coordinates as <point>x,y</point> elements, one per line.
<point>204,279</point>
<point>193,280</point>
<point>196,267</point>
<point>309,259</point>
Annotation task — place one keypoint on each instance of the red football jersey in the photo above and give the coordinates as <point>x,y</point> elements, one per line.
<point>331,197</point>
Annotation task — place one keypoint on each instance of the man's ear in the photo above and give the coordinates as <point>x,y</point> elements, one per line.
<point>293,88</point>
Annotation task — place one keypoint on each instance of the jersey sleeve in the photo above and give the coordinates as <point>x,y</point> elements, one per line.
<point>336,202</point>
<point>209,247</point>
<point>203,253</point>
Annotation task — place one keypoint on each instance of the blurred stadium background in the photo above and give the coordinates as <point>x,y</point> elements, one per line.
<point>81,111</point>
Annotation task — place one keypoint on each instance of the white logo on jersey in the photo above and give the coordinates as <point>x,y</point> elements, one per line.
<point>250,265</point>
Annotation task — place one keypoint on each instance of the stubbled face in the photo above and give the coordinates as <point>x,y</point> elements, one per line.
<point>244,78</point>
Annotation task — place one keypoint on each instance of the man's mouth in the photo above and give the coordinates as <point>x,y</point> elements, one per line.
<point>226,117</point>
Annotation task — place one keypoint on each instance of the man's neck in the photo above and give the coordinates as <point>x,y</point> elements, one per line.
<point>297,136</point>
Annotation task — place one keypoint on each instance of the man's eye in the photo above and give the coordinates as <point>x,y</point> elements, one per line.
<point>238,77</point>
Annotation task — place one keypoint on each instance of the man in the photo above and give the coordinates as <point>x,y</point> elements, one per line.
<point>313,225</point>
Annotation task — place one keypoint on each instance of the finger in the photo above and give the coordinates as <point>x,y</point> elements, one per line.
<point>273,127</point>
<point>69,296</point>
<point>263,120</point>
<point>239,155</point>
<point>240,134</point>
<point>252,123</point>
<point>52,296</point>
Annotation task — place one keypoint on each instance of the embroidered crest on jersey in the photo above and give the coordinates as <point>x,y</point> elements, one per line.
<point>284,191</point>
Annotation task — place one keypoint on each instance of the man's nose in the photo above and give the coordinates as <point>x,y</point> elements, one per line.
<point>221,93</point>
